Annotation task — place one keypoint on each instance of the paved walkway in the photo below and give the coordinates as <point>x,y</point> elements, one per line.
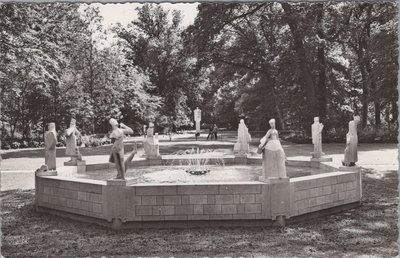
<point>17,173</point>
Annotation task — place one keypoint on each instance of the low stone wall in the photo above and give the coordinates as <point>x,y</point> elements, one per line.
<point>82,196</point>
<point>196,202</point>
<point>184,205</point>
<point>318,192</point>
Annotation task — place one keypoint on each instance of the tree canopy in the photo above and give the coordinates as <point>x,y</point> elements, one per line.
<point>288,61</point>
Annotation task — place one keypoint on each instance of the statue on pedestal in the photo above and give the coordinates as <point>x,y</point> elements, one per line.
<point>316,131</point>
<point>150,144</point>
<point>50,141</point>
<point>117,150</point>
<point>71,147</point>
<point>350,153</point>
<point>273,155</point>
<point>243,140</point>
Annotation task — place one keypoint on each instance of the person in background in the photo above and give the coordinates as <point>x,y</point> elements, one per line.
<point>210,132</point>
<point>215,131</point>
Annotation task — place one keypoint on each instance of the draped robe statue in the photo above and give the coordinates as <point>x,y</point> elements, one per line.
<point>316,130</point>
<point>243,140</point>
<point>350,153</point>
<point>50,141</point>
<point>150,144</point>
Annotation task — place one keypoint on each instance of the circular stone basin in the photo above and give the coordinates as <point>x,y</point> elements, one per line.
<point>177,174</point>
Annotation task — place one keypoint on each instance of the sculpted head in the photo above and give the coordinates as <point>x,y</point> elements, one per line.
<point>72,122</point>
<point>52,126</point>
<point>272,123</point>
<point>316,119</point>
<point>151,125</point>
<point>113,122</point>
<point>241,121</point>
<point>357,119</point>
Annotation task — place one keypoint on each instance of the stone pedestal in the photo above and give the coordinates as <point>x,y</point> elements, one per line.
<point>240,159</point>
<point>151,150</point>
<point>46,173</point>
<point>280,198</point>
<point>79,164</point>
<point>154,161</point>
<point>321,159</point>
<point>75,162</point>
<point>353,168</point>
<point>236,147</point>
<point>114,202</point>
<point>116,182</point>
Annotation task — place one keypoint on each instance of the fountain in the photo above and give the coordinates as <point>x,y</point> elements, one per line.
<point>195,189</point>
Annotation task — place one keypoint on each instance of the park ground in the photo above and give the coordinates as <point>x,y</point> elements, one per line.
<point>368,230</point>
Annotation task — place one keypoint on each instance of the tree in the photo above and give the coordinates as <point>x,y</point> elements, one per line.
<point>154,46</point>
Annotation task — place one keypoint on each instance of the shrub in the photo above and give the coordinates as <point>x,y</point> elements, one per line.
<point>15,145</point>
<point>93,141</point>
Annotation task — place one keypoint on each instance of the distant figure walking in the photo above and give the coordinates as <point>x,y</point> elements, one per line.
<point>215,131</point>
<point>210,132</point>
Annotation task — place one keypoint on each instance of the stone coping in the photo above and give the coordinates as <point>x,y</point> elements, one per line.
<point>205,183</point>
<point>317,176</point>
<point>104,182</point>
<point>76,179</point>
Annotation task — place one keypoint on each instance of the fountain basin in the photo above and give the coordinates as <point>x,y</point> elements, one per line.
<point>140,202</point>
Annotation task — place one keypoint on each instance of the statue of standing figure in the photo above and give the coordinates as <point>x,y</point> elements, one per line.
<point>316,130</point>
<point>350,153</point>
<point>117,150</point>
<point>71,147</point>
<point>50,141</point>
<point>273,155</point>
<point>150,144</point>
<point>243,140</point>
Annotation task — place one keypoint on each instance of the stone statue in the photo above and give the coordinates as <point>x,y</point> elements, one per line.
<point>273,155</point>
<point>243,140</point>
<point>50,141</point>
<point>150,144</point>
<point>350,153</point>
<point>117,150</point>
<point>72,149</point>
<point>316,131</point>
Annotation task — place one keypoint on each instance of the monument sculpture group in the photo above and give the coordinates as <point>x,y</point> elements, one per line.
<point>273,155</point>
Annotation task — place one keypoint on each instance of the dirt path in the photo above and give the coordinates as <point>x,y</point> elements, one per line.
<point>17,173</point>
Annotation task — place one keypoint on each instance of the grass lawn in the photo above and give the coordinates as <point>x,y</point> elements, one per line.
<point>370,229</point>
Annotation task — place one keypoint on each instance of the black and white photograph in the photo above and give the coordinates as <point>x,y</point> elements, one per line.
<point>199,129</point>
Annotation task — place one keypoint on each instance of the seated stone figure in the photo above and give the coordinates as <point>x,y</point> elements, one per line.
<point>273,155</point>
<point>150,143</point>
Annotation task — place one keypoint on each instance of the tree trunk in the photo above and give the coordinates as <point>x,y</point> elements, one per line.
<point>298,38</point>
<point>321,87</point>
<point>377,113</point>
<point>364,98</point>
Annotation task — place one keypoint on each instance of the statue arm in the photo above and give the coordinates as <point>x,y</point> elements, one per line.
<point>77,133</point>
<point>70,131</point>
<point>264,140</point>
<point>126,129</point>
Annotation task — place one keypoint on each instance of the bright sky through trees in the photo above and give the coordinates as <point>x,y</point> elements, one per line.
<point>125,13</point>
